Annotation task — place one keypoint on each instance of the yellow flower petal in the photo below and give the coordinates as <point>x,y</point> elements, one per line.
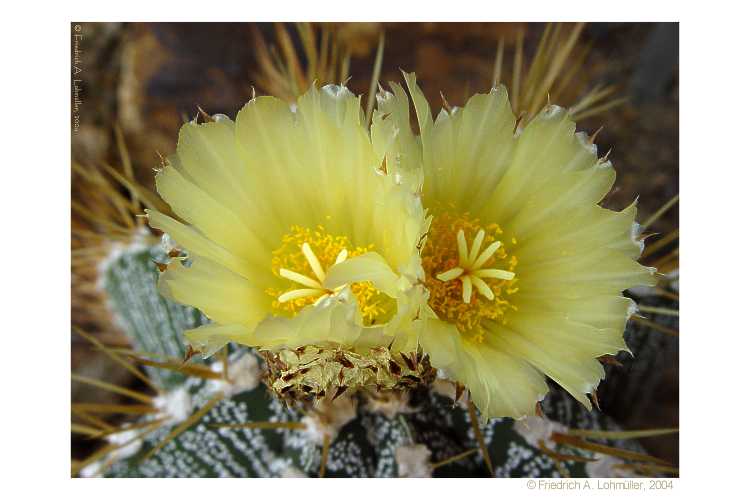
<point>367,267</point>
<point>472,142</point>
<point>247,189</point>
<point>222,295</point>
<point>187,237</point>
<point>335,320</point>
<point>208,339</point>
<point>577,375</point>
<point>584,229</point>
<point>213,219</point>
<point>392,139</point>
<point>550,167</point>
<point>564,263</point>
<point>207,155</point>
<point>499,383</point>
<point>442,341</point>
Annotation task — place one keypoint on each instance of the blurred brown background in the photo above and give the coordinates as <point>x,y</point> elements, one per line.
<point>148,78</point>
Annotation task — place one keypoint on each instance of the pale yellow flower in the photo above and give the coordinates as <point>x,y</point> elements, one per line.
<point>524,269</point>
<point>294,234</point>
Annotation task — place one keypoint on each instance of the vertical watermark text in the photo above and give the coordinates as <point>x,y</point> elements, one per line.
<point>77,75</point>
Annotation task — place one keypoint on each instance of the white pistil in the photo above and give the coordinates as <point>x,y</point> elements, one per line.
<point>314,262</point>
<point>482,287</point>
<point>314,287</point>
<point>450,274</point>
<point>494,273</point>
<point>478,239</point>
<point>469,269</point>
<point>299,294</point>
<point>485,256</point>
<point>463,253</point>
<point>466,281</point>
<point>341,257</point>
<point>299,278</point>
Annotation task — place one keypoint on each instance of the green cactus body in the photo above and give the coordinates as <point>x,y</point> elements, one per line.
<point>372,435</point>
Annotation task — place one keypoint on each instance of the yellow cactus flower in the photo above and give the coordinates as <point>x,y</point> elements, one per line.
<point>294,235</point>
<point>525,271</point>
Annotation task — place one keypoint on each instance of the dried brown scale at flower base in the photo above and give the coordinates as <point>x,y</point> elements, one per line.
<point>248,431</point>
<point>138,72</point>
<point>311,372</point>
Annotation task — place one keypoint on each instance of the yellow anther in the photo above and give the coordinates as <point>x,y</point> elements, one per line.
<point>454,271</point>
<point>304,258</point>
<point>469,266</point>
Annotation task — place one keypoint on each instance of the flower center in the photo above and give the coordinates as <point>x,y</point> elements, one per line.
<point>304,258</point>
<point>469,272</point>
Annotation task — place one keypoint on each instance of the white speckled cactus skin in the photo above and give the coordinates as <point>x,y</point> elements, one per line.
<point>369,437</point>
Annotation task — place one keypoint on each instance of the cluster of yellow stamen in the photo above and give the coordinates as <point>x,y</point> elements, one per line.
<point>454,272</point>
<point>304,257</point>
